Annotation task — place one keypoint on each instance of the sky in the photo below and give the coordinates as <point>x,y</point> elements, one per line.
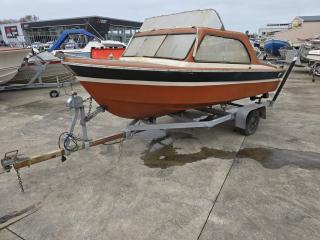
<point>236,15</point>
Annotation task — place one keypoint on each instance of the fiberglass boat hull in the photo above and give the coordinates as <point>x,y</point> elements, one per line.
<point>11,60</point>
<point>144,93</point>
<point>314,56</point>
<point>145,101</point>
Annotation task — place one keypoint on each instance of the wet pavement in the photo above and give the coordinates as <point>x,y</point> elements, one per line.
<point>179,184</point>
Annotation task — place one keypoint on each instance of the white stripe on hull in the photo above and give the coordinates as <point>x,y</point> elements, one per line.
<point>156,83</point>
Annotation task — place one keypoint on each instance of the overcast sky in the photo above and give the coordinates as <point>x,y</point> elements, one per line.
<point>236,15</point>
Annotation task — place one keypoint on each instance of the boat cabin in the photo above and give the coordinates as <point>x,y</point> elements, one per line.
<point>200,38</point>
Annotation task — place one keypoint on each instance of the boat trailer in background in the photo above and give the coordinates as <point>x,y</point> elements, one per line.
<point>36,82</point>
<point>246,120</point>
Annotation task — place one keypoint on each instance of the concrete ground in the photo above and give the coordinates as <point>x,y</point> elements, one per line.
<point>183,184</point>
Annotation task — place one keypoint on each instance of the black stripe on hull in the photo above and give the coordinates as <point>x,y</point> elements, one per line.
<point>171,76</point>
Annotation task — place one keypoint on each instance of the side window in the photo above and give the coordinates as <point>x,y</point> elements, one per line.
<point>144,46</point>
<point>151,45</point>
<point>219,49</point>
<point>176,46</point>
<point>163,46</point>
<point>134,46</point>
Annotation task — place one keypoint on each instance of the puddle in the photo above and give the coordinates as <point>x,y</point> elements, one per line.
<point>277,158</point>
<point>167,156</point>
<point>162,154</point>
<point>258,154</point>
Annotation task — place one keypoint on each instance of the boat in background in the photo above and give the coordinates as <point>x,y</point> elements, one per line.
<point>272,46</point>
<point>256,49</point>
<point>170,67</point>
<point>11,60</point>
<point>109,50</point>
<point>72,48</point>
<point>313,56</point>
<point>45,67</point>
<point>86,51</point>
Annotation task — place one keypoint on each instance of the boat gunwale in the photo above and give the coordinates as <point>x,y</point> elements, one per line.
<point>160,67</point>
<point>175,76</point>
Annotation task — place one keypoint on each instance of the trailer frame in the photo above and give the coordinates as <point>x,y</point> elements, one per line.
<point>36,82</point>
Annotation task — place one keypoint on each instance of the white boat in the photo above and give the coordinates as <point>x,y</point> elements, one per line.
<point>86,51</point>
<point>46,67</point>
<point>313,56</point>
<point>11,60</point>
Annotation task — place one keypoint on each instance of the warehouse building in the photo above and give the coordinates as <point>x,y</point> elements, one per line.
<point>272,28</point>
<point>102,27</point>
<point>302,27</point>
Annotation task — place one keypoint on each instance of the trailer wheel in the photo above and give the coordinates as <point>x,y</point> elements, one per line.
<point>317,69</point>
<point>54,94</point>
<point>252,123</point>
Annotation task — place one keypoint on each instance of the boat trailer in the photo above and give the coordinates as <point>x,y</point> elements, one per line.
<point>246,120</point>
<point>36,82</point>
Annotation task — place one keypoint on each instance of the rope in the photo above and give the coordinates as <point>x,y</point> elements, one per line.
<point>71,138</point>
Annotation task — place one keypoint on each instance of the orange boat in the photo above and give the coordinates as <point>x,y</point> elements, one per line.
<point>169,67</point>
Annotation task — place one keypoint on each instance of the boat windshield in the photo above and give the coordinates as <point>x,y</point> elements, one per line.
<point>162,46</point>
<point>207,18</point>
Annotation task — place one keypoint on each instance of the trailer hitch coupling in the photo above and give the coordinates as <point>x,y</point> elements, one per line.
<point>10,159</point>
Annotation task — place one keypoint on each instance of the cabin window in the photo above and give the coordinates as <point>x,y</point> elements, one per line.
<point>219,49</point>
<point>151,45</point>
<point>162,46</point>
<point>176,46</point>
<point>134,46</point>
<point>144,46</point>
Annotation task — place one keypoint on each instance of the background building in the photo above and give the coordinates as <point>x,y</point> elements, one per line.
<point>271,29</point>
<point>12,34</point>
<point>302,27</point>
<point>102,27</point>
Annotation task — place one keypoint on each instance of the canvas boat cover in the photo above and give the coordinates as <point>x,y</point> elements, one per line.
<point>64,35</point>
<point>198,18</point>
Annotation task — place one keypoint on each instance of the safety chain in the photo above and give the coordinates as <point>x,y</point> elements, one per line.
<point>19,180</point>
<point>9,161</point>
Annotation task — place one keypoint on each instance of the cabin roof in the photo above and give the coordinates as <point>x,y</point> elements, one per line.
<point>198,18</point>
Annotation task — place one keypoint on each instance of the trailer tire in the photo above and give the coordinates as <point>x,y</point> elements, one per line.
<point>252,123</point>
<point>54,94</point>
<point>317,69</point>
